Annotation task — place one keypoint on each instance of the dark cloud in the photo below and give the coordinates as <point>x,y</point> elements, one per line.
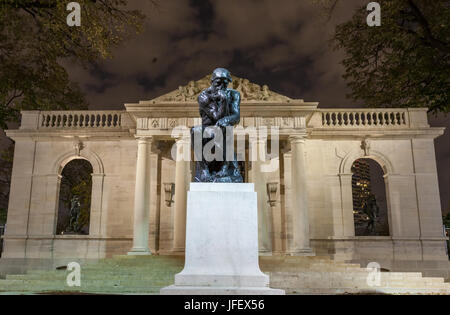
<point>284,44</point>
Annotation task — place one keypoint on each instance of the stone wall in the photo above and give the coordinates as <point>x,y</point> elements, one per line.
<point>401,141</point>
<point>30,231</point>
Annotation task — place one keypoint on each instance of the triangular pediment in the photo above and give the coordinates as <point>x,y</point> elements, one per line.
<point>249,91</point>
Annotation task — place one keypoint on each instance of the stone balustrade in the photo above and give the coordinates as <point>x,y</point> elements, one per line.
<point>80,119</point>
<point>362,118</point>
<point>369,118</point>
<point>319,119</point>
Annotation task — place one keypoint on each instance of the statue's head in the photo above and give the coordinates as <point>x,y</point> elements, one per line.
<point>221,78</point>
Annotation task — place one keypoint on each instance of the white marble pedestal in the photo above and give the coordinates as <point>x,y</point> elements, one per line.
<point>221,255</point>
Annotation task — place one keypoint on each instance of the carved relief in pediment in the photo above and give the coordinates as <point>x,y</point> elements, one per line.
<point>249,91</point>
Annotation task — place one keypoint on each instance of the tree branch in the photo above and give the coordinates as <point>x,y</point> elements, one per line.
<point>423,22</point>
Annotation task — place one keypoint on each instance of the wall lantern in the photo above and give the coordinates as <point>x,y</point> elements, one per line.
<point>169,192</point>
<point>272,193</point>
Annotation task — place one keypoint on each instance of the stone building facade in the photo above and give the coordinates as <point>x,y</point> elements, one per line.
<point>138,201</point>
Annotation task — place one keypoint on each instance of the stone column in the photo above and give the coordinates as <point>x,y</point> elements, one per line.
<point>182,180</point>
<point>142,199</point>
<point>287,181</point>
<point>155,203</point>
<point>258,158</point>
<point>300,221</point>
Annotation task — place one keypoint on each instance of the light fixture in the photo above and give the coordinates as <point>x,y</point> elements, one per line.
<point>272,193</point>
<point>169,192</point>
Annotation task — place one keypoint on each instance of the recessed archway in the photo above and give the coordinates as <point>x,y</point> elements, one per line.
<point>75,198</point>
<point>370,211</point>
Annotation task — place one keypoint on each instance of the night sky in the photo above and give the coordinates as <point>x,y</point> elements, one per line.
<point>284,44</point>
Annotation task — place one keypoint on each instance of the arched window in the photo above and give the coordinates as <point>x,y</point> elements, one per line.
<point>75,198</point>
<point>369,199</point>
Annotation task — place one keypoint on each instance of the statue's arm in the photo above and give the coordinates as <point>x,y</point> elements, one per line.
<point>235,111</point>
<point>208,108</point>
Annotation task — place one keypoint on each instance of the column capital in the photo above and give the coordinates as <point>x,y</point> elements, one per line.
<point>147,139</point>
<point>297,139</point>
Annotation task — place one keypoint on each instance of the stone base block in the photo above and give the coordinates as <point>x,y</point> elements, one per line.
<point>222,280</point>
<point>221,242</point>
<point>180,290</point>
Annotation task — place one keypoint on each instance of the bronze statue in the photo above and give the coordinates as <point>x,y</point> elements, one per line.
<point>220,111</point>
<point>75,209</point>
<point>372,210</point>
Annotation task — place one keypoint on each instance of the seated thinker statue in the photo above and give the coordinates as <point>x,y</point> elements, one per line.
<point>219,109</point>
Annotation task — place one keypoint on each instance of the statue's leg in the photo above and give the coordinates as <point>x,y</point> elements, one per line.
<point>71,223</point>
<point>226,165</point>
<point>237,176</point>
<point>202,173</point>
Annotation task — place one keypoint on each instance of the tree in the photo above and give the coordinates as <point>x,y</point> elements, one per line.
<point>447,221</point>
<point>403,63</point>
<point>35,37</point>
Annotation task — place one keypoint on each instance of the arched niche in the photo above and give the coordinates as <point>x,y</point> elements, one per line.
<point>94,159</point>
<point>75,195</point>
<point>370,206</point>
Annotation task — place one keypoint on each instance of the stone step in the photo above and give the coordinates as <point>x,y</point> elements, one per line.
<point>88,283</point>
<point>88,289</point>
<point>328,280</point>
<point>413,288</point>
<point>294,261</point>
<point>344,275</point>
<point>100,275</point>
<point>390,291</point>
<point>146,275</point>
<point>93,276</point>
<point>324,280</point>
<point>312,266</point>
<point>360,274</point>
<point>108,269</point>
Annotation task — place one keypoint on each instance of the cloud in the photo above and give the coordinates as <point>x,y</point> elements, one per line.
<point>284,44</point>
<point>185,40</point>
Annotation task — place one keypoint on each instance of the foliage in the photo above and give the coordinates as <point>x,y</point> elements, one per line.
<point>3,215</point>
<point>83,190</point>
<point>34,41</point>
<point>35,38</point>
<point>403,63</point>
<point>447,221</point>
